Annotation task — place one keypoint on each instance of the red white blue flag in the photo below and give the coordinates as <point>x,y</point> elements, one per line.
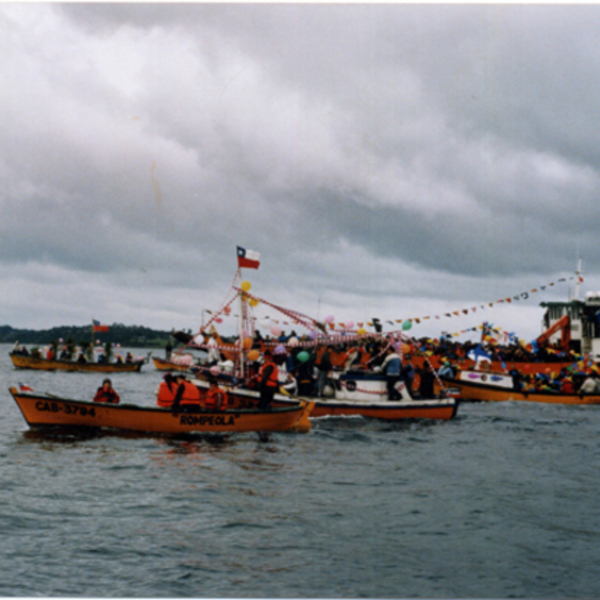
<point>247,259</point>
<point>97,326</point>
<point>23,387</point>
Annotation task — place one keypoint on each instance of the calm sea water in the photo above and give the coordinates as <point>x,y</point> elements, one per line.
<point>503,501</point>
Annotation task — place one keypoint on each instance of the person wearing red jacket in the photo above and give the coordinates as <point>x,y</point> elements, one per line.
<point>216,397</point>
<point>268,381</point>
<point>107,394</point>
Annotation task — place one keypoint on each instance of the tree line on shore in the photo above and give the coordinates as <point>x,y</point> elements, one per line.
<point>133,336</point>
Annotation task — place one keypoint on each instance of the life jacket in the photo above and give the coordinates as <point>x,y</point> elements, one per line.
<point>273,381</point>
<point>166,394</point>
<point>191,394</point>
<point>216,399</point>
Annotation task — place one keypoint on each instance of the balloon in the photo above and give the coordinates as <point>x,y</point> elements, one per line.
<point>406,325</point>
<point>293,342</point>
<point>227,310</point>
<point>329,319</point>
<point>303,356</point>
<point>265,323</point>
<point>253,355</point>
<point>361,331</point>
<point>246,285</point>
<point>253,302</point>
<point>312,335</point>
<point>349,324</point>
<point>276,331</point>
<point>243,334</point>
<point>280,349</point>
<point>218,320</point>
<point>214,370</point>
<point>405,348</point>
<point>247,343</point>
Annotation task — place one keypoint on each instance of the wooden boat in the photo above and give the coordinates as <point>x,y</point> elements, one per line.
<point>42,411</point>
<point>355,394</point>
<point>163,364</point>
<point>527,368</point>
<point>497,387</point>
<point>22,361</point>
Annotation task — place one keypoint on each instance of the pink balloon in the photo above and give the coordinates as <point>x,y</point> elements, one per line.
<point>275,330</point>
<point>215,370</point>
<point>349,324</point>
<point>218,320</point>
<point>329,319</point>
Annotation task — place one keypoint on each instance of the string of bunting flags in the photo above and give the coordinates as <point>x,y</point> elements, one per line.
<point>329,323</point>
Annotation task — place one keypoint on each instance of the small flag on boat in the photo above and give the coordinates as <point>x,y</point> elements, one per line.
<point>247,259</point>
<point>97,326</point>
<point>23,387</point>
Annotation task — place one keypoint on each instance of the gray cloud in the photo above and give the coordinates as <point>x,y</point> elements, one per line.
<point>385,152</point>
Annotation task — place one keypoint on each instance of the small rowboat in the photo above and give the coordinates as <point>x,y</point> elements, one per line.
<point>162,364</point>
<point>43,364</point>
<point>42,411</point>
<point>497,387</point>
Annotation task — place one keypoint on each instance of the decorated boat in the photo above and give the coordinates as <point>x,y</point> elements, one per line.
<point>352,394</point>
<point>499,387</point>
<point>43,411</point>
<point>21,361</point>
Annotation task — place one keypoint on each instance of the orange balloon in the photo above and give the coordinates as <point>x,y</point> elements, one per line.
<point>253,355</point>
<point>247,343</point>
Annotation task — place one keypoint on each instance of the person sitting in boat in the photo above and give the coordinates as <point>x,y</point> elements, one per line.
<point>216,397</point>
<point>165,393</point>
<point>187,396</point>
<point>391,367</point>
<point>268,381</point>
<point>129,358</point>
<point>81,358</point>
<point>446,370</point>
<point>106,393</point>
<point>590,385</point>
<point>567,386</point>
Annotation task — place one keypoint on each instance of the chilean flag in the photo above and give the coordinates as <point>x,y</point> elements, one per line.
<point>247,259</point>
<point>24,387</point>
<point>97,326</point>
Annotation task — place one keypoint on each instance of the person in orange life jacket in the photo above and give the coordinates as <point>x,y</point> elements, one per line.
<point>268,376</point>
<point>106,393</point>
<point>216,398</point>
<point>187,395</point>
<point>165,394</point>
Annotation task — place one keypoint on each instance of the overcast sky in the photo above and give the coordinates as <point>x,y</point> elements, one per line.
<point>388,160</point>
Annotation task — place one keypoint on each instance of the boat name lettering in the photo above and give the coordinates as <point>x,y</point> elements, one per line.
<point>66,408</point>
<point>206,420</point>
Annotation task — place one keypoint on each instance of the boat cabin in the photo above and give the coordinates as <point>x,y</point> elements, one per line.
<point>584,322</point>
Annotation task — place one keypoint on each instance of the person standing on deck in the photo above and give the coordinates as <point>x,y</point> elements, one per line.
<point>323,364</point>
<point>391,367</point>
<point>268,381</point>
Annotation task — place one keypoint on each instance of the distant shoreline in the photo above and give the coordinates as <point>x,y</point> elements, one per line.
<point>134,336</point>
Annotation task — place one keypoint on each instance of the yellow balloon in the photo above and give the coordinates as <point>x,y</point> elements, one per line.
<point>361,331</point>
<point>246,285</point>
<point>253,302</point>
<point>253,355</point>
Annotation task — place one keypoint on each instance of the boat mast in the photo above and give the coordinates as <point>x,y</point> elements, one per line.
<point>577,280</point>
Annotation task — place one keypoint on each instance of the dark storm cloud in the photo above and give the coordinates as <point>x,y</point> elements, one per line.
<point>343,142</point>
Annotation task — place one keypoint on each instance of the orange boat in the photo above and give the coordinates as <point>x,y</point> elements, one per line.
<point>162,364</point>
<point>22,361</point>
<point>42,411</point>
<point>497,387</point>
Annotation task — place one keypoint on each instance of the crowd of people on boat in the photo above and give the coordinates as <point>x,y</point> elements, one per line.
<point>69,352</point>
